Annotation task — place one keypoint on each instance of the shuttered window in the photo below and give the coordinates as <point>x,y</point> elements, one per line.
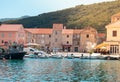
<point>114,33</point>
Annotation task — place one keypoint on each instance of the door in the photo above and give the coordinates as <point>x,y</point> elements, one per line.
<point>76,49</point>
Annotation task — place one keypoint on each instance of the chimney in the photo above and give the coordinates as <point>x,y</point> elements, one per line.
<point>64,27</point>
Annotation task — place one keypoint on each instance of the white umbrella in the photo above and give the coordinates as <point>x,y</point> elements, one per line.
<point>103,47</point>
<point>32,44</point>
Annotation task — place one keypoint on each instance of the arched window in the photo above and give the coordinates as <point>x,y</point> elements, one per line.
<point>87,36</point>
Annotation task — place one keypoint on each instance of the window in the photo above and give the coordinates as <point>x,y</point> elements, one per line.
<point>67,42</point>
<point>56,32</point>
<point>2,34</point>
<point>42,35</point>
<point>67,36</point>
<point>49,36</point>
<point>42,41</point>
<point>2,41</point>
<point>18,35</point>
<point>87,36</point>
<point>56,40</point>
<point>114,33</point>
<point>10,35</point>
<point>78,36</point>
<point>118,18</point>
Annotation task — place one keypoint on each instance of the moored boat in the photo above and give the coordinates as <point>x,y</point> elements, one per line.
<point>12,55</point>
<point>13,52</point>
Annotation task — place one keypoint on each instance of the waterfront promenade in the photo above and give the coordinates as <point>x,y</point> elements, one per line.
<point>87,55</point>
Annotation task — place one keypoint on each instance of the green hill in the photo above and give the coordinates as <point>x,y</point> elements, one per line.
<point>96,15</point>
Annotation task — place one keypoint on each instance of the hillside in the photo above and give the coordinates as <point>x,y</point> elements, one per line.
<point>96,15</point>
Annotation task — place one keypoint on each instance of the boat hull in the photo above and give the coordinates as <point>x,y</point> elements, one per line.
<point>18,55</point>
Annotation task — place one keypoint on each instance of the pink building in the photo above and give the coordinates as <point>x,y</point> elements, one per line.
<point>10,33</point>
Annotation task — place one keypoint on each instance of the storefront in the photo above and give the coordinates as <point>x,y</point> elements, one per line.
<point>67,48</point>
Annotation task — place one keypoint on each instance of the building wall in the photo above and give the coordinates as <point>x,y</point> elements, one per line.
<point>88,38</point>
<point>115,18</point>
<point>67,40</point>
<point>43,39</point>
<point>110,36</point>
<point>61,37</point>
<point>28,37</point>
<point>7,37</point>
<point>21,36</point>
<point>56,37</point>
<point>76,42</point>
<point>113,36</point>
<point>10,33</point>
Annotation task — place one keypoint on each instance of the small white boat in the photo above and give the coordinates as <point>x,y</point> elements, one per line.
<point>70,56</point>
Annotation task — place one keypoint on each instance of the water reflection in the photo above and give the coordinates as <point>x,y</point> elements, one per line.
<point>59,70</point>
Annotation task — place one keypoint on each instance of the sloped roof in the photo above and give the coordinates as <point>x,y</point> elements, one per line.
<point>77,31</point>
<point>86,29</point>
<point>114,24</point>
<point>101,34</point>
<point>67,31</point>
<point>118,14</point>
<point>39,30</point>
<point>10,27</point>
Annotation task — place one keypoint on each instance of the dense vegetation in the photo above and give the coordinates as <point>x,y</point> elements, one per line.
<point>96,15</point>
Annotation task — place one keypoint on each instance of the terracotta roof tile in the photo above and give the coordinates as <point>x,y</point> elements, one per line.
<point>40,30</point>
<point>67,31</point>
<point>77,31</point>
<point>101,34</point>
<point>10,27</point>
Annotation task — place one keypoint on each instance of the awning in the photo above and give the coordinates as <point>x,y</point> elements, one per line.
<point>32,44</point>
<point>66,46</point>
<point>102,45</point>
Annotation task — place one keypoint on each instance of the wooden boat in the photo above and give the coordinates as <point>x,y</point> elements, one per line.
<point>13,52</point>
<point>12,55</point>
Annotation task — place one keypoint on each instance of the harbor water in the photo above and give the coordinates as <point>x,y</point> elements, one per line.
<point>59,70</point>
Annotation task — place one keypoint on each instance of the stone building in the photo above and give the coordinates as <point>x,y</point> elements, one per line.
<point>67,39</point>
<point>88,39</point>
<point>39,36</point>
<point>112,43</point>
<point>61,39</point>
<point>76,40</point>
<point>57,38</point>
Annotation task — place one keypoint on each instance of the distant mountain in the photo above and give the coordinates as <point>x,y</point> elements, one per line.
<point>96,15</point>
<point>26,16</point>
<point>11,19</point>
<point>7,19</point>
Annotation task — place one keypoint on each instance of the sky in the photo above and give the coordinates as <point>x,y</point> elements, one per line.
<point>18,8</point>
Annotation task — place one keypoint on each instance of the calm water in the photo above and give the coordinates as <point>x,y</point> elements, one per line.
<point>59,70</point>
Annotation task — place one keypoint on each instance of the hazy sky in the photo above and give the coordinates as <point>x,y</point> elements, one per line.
<point>18,8</point>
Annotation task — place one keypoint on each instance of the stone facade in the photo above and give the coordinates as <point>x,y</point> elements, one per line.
<point>61,39</point>
<point>76,40</point>
<point>88,39</point>
<point>113,35</point>
<point>39,36</point>
<point>67,39</point>
<point>56,38</point>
